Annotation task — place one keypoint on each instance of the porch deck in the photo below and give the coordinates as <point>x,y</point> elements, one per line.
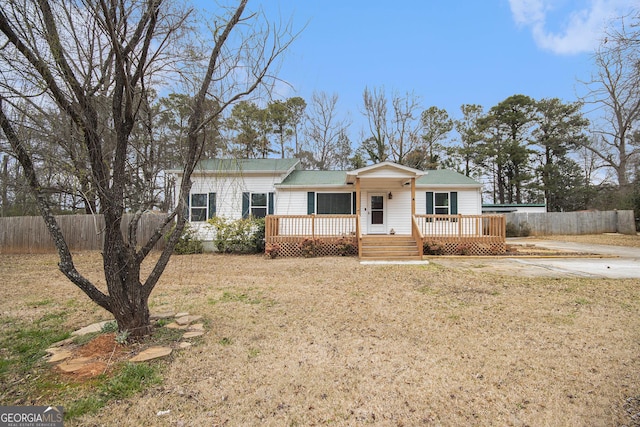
<point>342,235</point>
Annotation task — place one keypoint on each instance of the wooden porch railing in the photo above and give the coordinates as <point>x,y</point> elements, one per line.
<point>359,236</point>
<point>479,234</point>
<point>417,235</point>
<point>482,228</point>
<point>283,228</point>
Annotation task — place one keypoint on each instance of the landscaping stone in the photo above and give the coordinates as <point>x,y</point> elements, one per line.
<point>95,327</point>
<point>185,320</point>
<point>193,334</point>
<point>162,315</point>
<point>70,358</point>
<point>58,354</point>
<point>76,364</point>
<point>182,314</point>
<point>174,325</point>
<point>60,343</point>
<point>151,353</point>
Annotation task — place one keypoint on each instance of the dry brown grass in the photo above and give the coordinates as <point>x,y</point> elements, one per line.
<point>599,239</point>
<point>330,341</point>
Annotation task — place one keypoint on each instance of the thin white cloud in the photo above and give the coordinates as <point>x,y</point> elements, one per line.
<point>527,12</point>
<point>582,28</point>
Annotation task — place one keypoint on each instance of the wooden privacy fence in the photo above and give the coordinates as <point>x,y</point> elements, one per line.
<point>572,223</point>
<point>28,234</point>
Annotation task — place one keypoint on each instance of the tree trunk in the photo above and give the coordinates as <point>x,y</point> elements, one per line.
<point>4,182</point>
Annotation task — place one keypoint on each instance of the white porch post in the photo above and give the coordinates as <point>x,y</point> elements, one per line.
<point>413,196</point>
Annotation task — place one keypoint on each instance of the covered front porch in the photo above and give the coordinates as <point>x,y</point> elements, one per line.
<point>343,235</point>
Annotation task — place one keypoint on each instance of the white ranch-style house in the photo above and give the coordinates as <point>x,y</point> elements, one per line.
<point>383,211</point>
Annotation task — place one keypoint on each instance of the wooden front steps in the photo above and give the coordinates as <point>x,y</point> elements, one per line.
<point>386,247</point>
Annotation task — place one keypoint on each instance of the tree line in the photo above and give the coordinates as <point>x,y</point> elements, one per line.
<point>523,150</point>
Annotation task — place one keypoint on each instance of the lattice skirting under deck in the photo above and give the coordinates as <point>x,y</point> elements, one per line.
<point>444,246</point>
<point>307,247</point>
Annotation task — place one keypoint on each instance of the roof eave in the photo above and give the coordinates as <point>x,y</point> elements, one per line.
<point>298,186</point>
<point>448,185</point>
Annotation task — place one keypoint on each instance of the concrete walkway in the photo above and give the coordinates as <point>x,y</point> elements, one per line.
<point>616,251</point>
<point>616,262</point>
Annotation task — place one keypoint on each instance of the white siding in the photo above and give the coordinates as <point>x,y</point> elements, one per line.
<point>228,194</point>
<point>229,191</point>
<point>469,201</point>
<point>291,202</point>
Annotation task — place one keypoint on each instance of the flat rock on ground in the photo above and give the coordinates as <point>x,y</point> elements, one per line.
<point>193,334</point>
<point>95,327</point>
<point>185,320</point>
<point>151,353</point>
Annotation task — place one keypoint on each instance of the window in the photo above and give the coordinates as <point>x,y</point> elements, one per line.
<point>257,205</point>
<point>202,207</point>
<point>334,204</point>
<point>441,203</point>
<point>330,203</point>
<point>445,203</point>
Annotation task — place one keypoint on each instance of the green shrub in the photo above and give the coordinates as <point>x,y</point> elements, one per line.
<point>238,236</point>
<point>189,243</point>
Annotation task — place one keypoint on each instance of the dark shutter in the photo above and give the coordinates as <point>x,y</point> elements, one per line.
<point>271,202</point>
<point>311,202</point>
<point>354,204</point>
<point>454,202</point>
<point>212,205</point>
<point>245,204</point>
<point>429,202</point>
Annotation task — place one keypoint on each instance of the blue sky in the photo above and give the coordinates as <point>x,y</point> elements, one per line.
<point>448,53</point>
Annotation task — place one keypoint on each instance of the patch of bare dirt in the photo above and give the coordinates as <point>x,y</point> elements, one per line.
<point>93,358</point>
<point>533,250</point>
<point>614,239</point>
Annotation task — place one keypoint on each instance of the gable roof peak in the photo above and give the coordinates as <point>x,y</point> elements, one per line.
<point>387,165</point>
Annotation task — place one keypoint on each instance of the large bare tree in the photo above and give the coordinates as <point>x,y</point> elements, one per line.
<point>393,133</point>
<point>615,90</point>
<point>96,64</point>
<point>325,132</point>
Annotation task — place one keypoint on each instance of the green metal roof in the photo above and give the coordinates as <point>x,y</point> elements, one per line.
<point>445,177</point>
<point>331,178</point>
<point>307,178</point>
<point>314,178</point>
<point>244,165</point>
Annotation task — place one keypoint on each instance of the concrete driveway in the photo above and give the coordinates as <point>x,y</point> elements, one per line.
<point>613,262</point>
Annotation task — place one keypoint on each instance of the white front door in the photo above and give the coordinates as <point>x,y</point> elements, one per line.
<point>377,213</point>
